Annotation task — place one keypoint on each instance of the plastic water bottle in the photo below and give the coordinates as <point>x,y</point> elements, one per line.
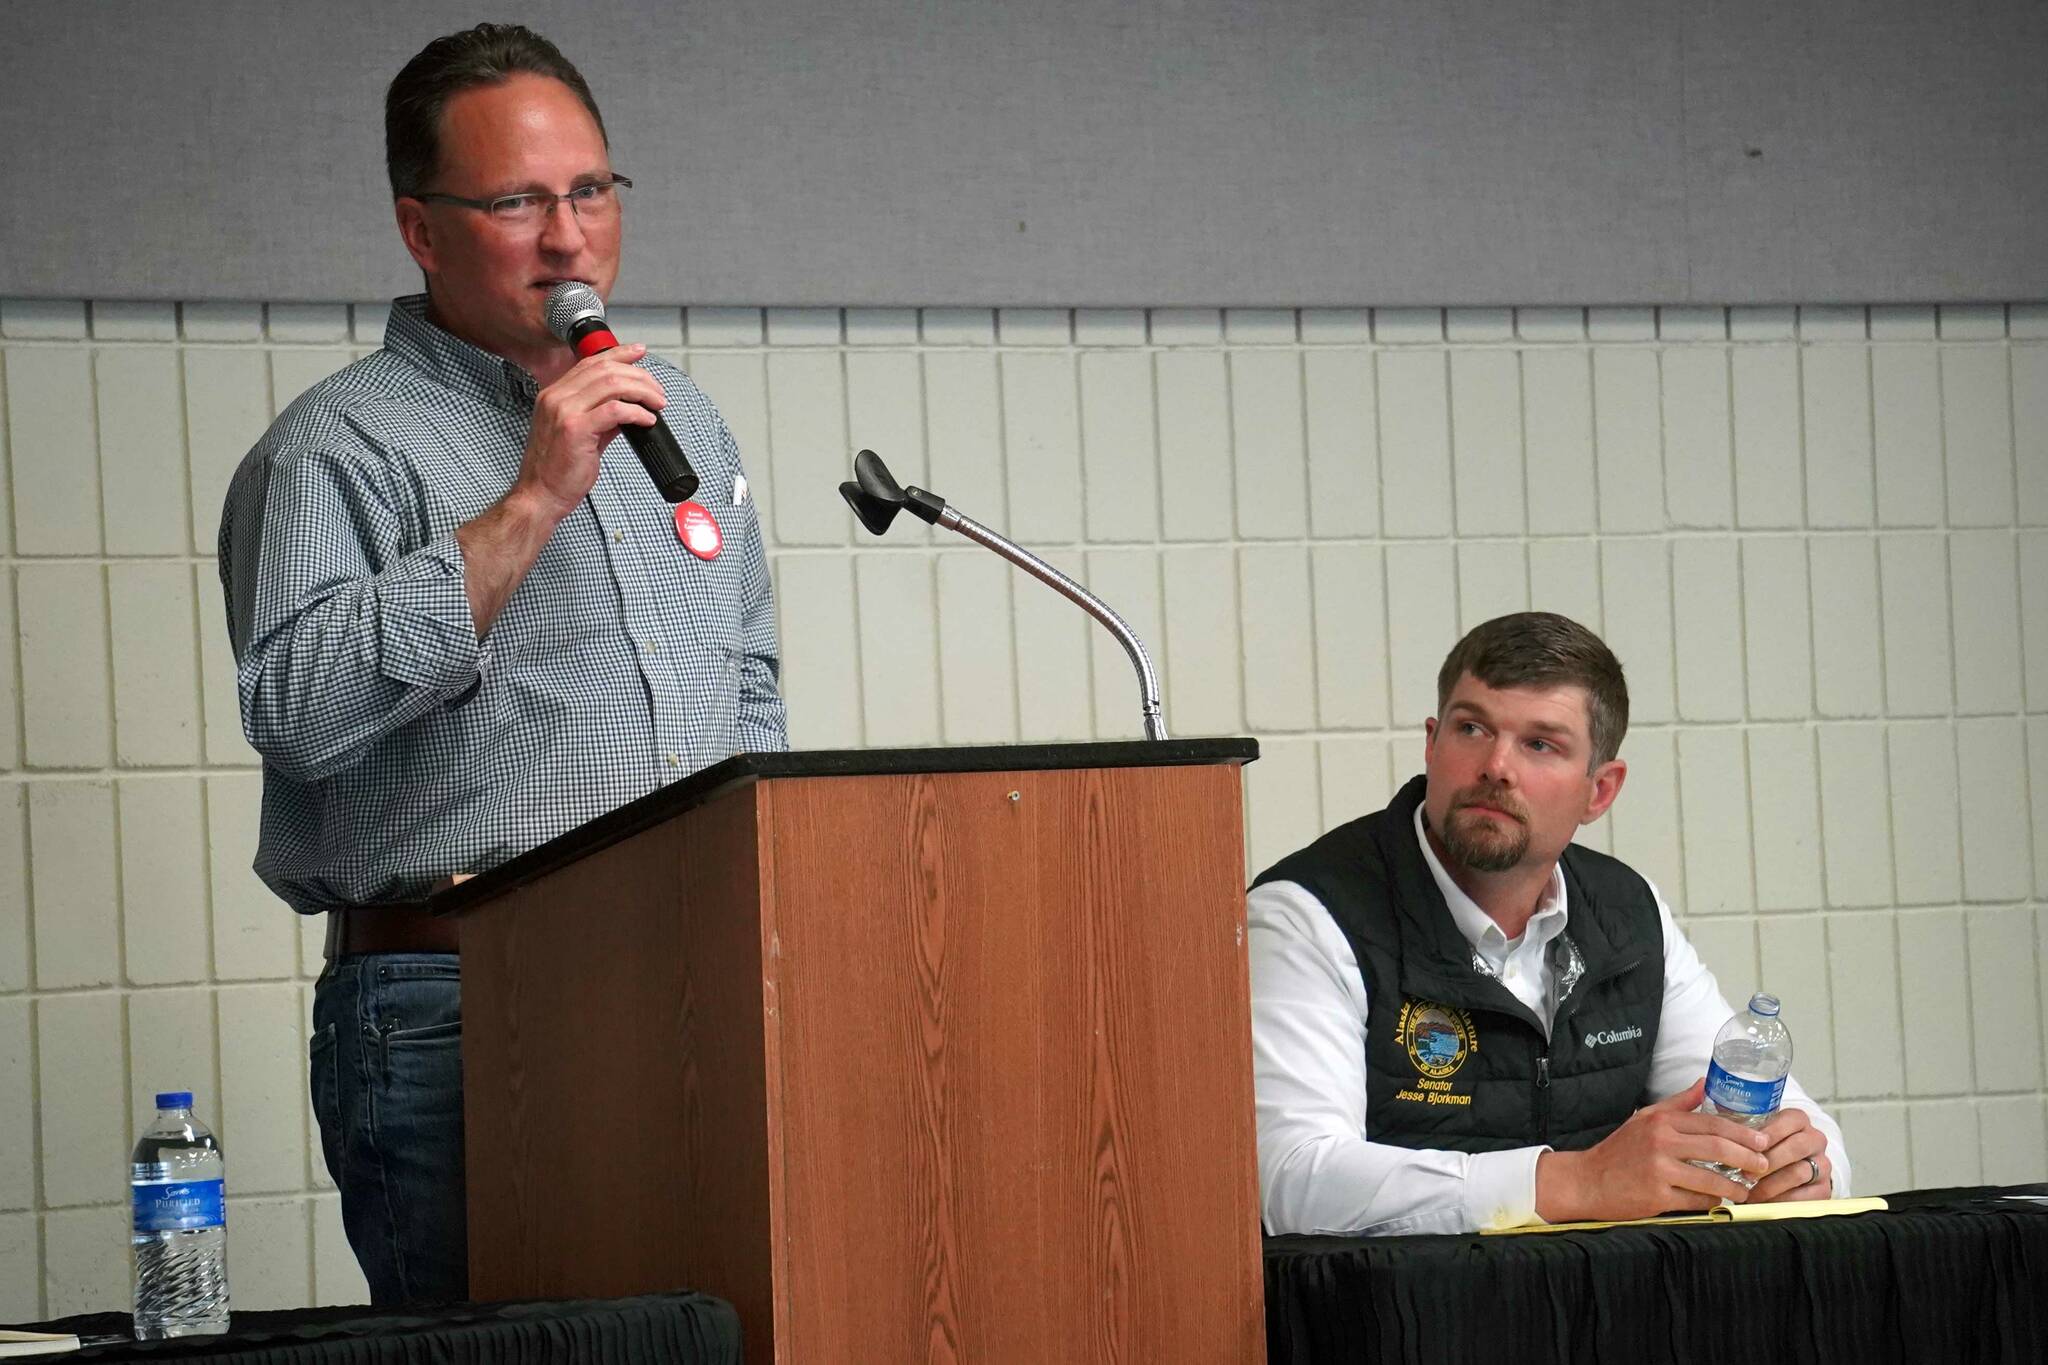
<point>1746,1079</point>
<point>178,1191</point>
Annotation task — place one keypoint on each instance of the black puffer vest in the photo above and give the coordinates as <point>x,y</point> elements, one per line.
<point>1452,1059</point>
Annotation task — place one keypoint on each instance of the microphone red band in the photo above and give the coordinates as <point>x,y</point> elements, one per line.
<point>595,340</point>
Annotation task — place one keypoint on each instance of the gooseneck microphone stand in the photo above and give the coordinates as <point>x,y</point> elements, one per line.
<point>876,498</point>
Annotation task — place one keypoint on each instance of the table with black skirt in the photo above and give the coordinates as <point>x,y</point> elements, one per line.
<point>1949,1275</point>
<point>666,1329</point>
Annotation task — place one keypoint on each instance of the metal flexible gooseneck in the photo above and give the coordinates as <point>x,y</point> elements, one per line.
<point>1148,681</point>
<point>876,498</point>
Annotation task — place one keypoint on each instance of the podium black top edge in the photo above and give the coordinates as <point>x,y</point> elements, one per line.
<point>665,803</point>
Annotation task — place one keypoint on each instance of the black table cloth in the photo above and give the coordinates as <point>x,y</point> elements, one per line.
<point>671,1329</point>
<point>1943,1275</point>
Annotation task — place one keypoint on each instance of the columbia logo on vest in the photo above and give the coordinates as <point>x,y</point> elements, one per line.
<point>1620,1035</point>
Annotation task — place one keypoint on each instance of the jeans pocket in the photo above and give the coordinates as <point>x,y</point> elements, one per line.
<point>422,1082</point>
<point>417,998</point>
<point>415,1041</point>
<point>427,1035</point>
<point>418,1103</point>
<point>322,1067</point>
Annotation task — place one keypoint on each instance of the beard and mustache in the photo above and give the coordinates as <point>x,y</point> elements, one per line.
<point>1480,842</point>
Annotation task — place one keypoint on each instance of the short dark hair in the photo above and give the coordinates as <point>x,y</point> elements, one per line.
<point>1543,649</point>
<point>485,55</point>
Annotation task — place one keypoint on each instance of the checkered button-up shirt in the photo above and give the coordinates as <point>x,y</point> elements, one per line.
<point>397,747</point>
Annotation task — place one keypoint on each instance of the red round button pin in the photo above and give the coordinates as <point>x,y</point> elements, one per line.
<point>698,530</point>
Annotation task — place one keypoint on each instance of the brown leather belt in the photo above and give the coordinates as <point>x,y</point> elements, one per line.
<point>409,928</point>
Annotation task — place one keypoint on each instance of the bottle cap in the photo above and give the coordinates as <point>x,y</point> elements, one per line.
<point>174,1099</point>
<point>1766,1005</point>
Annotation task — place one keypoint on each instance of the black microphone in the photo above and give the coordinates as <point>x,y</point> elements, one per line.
<point>576,314</point>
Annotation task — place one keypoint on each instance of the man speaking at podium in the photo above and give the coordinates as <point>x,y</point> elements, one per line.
<point>464,620</point>
<point>1460,1019</point>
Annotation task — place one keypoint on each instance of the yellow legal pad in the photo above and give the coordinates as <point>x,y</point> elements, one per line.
<point>1722,1213</point>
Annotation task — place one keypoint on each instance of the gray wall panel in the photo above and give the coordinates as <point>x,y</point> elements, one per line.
<point>1887,151</point>
<point>1074,152</point>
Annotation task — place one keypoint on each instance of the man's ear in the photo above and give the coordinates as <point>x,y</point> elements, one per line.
<point>416,232</point>
<point>1607,780</point>
<point>1428,737</point>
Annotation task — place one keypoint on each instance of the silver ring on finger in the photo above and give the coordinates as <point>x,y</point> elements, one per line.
<point>1813,1168</point>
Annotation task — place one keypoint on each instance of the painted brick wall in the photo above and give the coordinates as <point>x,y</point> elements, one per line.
<point>1818,539</point>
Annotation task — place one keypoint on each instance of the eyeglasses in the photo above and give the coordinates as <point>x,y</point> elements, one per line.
<point>598,203</point>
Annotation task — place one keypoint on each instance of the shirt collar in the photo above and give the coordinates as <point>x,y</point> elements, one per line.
<point>451,360</point>
<point>1474,924</point>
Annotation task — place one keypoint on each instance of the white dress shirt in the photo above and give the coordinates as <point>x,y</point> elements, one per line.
<point>1317,1170</point>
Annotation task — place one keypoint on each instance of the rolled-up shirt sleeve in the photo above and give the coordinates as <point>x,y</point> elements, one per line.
<point>1318,1172</point>
<point>343,632</point>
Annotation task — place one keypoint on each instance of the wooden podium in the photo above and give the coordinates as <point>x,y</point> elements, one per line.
<point>928,1054</point>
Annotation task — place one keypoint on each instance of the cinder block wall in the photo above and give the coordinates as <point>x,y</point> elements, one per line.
<point>1818,539</point>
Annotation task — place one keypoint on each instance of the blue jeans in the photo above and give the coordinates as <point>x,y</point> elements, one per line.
<point>386,1063</point>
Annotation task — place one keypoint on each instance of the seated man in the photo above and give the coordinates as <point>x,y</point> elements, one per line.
<point>1456,1012</point>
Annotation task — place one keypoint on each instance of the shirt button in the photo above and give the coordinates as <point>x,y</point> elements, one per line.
<point>671,760</point>
<point>618,537</point>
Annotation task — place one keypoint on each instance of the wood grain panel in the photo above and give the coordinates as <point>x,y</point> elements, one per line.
<point>615,1053</point>
<point>1016,1067</point>
<point>909,1066</point>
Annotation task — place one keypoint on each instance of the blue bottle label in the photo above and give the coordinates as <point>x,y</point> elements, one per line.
<point>1735,1095</point>
<point>179,1205</point>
